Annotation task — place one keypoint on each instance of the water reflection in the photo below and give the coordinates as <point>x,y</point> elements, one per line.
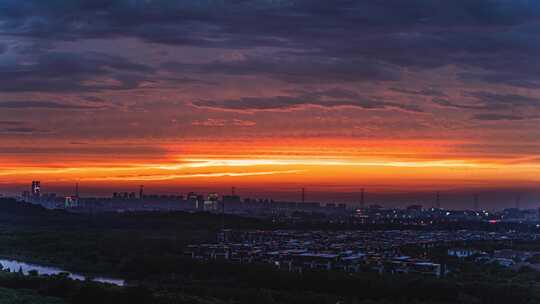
<point>15,266</point>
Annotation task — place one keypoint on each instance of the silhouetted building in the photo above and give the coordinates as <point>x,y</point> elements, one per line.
<point>36,188</point>
<point>414,208</point>
<point>232,202</point>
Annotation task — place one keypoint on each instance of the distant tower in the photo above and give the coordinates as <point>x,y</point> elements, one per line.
<point>233,191</point>
<point>141,192</point>
<point>77,190</point>
<point>518,201</point>
<point>362,199</point>
<point>36,188</point>
<point>224,235</point>
<point>303,195</point>
<point>476,200</point>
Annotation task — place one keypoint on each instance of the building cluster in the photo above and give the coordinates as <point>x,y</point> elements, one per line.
<point>50,200</point>
<point>511,258</point>
<point>416,214</point>
<point>212,202</point>
<point>233,204</point>
<point>349,251</point>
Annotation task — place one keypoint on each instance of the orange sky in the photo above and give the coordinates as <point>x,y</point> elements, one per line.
<point>318,163</point>
<point>270,95</point>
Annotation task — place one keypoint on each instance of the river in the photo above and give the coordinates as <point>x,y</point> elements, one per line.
<point>15,266</point>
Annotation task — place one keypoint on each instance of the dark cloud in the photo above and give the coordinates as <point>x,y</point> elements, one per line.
<point>89,18</point>
<point>324,99</point>
<point>298,68</point>
<point>449,104</point>
<point>17,127</point>
<point>10,123</point>
<point>423,92</point>
<point>20,130</point>
<point>124,150</point>
<point>338,93</point>
<point>348,39</point>
<point>520,78</point>
<point>67,72</point>
<point>494,101</point>
<point>496,117</point>
<point>93,99</point>
<point>213,122</point>
<point>491,102</point>
<point>28,104</point>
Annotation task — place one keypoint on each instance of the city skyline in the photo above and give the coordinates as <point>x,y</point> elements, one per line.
<point>396,98</point>
<point>454,199</point>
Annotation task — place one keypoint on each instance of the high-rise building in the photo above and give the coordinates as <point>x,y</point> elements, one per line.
<point>36,188</point>
<point>212,202</point>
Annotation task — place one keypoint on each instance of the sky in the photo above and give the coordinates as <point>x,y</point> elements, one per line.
<point>269,96</point>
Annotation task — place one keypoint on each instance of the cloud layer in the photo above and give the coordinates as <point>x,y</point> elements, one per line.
<point>156,74</point>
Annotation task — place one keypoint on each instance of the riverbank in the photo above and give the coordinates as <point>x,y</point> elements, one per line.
<point>29,268</point>
<point>47,263</point>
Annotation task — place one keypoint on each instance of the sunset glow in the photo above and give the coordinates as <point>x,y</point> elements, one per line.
<point>345,163</point>
<point>270,151</point>
<point>348,100</point>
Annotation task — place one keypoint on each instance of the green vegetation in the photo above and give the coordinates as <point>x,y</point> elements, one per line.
<point>60,289</point>
<point>11,296</point>
<point>104,243</point>
<point>147,250</point>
